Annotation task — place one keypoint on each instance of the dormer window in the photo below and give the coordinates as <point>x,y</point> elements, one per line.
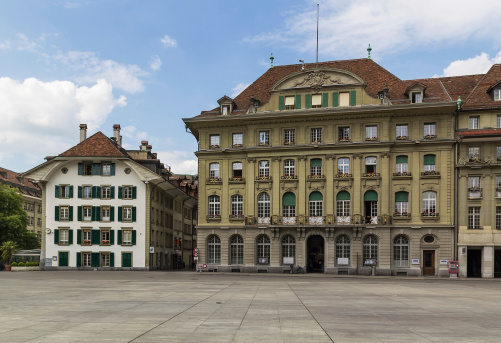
<point>416,93</point>
<point>497,94</point>
<point>226,110</point>
<point>417,97</point>
<point>226,105</point>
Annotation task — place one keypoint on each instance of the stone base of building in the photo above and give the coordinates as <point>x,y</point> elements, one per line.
<point>90,269</point>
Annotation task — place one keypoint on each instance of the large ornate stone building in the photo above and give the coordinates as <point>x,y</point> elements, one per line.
<point>337,168</point>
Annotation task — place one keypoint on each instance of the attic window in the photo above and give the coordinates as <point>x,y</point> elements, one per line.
<point>225,110</point>
<point>497,94</point>
<point>289,102</point>
<point>316,101</point>
<point>417,97</point>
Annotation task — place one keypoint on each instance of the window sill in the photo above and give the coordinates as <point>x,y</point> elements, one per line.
<point>263,178</point>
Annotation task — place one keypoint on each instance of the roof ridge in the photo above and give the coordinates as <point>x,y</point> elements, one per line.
<point>445,90</point>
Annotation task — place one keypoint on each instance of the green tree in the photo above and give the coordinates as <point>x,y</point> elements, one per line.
<point>13,219</point>
<point>8,249</point>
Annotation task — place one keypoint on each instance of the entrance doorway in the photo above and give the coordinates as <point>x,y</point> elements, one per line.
<point>474,263</point>
<point>315,253</point>
<point>428,262</point>
<point>497,263</point>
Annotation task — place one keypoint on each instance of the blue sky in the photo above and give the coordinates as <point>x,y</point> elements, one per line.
<point>147,64</point>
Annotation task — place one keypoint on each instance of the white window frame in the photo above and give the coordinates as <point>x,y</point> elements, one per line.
<point>370,132</point>
<point>474,218</point>
<point>215,140</point>
<point>289,136</point>
<point>127,213</point>
<point>214,170</point>
<point>430,202</point>
<point>237,205</point>
<point>316,135</point>
<point>214,206</point>
<point>213,249</point>
<point>401,251</point>
<point>264,168</point>
<point>474,122</point>
<point>238,139</point>
<point>343,166</point>
<point>430,130</point>
<point>263,205</point>
<point>289,168</point>
<point>289,102</point>
<point>264,137</point>
<point>402,131</point>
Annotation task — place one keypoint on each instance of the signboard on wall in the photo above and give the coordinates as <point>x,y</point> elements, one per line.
<point>288,260</point>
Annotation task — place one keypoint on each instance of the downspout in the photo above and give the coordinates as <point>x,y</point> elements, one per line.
<point>456,181</point>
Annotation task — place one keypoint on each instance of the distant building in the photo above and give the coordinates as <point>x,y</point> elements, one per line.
<point>342,167</point>
<point>106,207</point>
<point>32,198</point>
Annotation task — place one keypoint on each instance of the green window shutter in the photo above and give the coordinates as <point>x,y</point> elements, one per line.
<point>401,197</point>
<point>112,192</point>
<point>335,99</point>
<point>94,260</point>
<point>112,213</point>
<point>63,259</point>
<point>96,168</point>
<point>112,259</point>
<point>70,240</point>
<point>79,259</point>
<point>119,213</point>
<point>298,101</point>
<point>134,213</point>
<point>133,237</point>
<point>316,162</point>
<point>134,192</point>
<point>79,192</point>
<point>80,169</point>
<point>96,238</point>
<point>402,159</point>
<point>353,98</point>
<point>71,213</point>
<point>94,192</point>
<point>56,236</point>
<point>429,160</point>
<point>281,102</point>
<point>98,192</point>
<point>113,169</point>
<point>370,196</point>
<point>289,199</point>
<point>307,100</point>
<point>343,195</point>
<point>316,196</point>
<point>79,214</point>
<point>112,237</point>
<point>93,213</point>
<point>98,213</point>
<point>325,99</point>
<point>57,191</point>
<point>56,213</point>
<point>79,236</point>
<point>71,191</point>
<point>119,192</point>
<point>119,237</point>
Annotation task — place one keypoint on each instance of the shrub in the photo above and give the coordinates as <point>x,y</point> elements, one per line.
<point>21,264</point>
<point>13,264</point>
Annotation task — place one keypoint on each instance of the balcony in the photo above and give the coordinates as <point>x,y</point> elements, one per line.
<point>288,177</point>
<point>475,193</point>
<point>263,220</point>
<point>371,139</point>
<point>372,175</point>
<point>402,176</point>
<point>264,178</point>
<point>214,146</point>
<point>344,140</point>
<point>289,143</point>
<point>236,217</point>
<point>344,176</point>
<point>429,215</point>
<point>316,176</point>
<point>214,181</point>
<point>264,143</point>
<point>289,221</point>
<point>402,214</point>
<point>430,174</point>
<point>236,146</point>
<point>237,179</point>
<point>213,217</point>
<point>316,220</point>
<point>343,220</point>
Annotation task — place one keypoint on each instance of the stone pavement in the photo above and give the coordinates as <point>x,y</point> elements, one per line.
<point>145,307</point>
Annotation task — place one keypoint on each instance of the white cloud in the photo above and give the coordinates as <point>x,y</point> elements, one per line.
<point>5,45</point>
<point>181,162</point>
<point>168,42</point>
<point>42,118</point>
<point>479,64</point>
<point>155,62</point>
<point>26,44</point>
<point>390,26</point>
<point>124,77</point>
<point>239,89</point>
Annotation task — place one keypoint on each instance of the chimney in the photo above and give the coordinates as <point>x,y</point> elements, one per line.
<point>83,132</point>
<point>143,146</point>
<point>148,148</point>
<point>116,134</point>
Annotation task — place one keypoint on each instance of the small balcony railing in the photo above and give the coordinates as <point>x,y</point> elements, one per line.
<point>344,140</point>
<point>402,174</point>
<point>316,176</point>
<point>288,177</point>
<point>427,214</point>
<point>289,220</point>
<point>237,179</point>
<point>371,220</point>
<point>371,139</point>
<point>213,217</point>
<point>289,142</point>
<point>475,193</point>
<point>430,136</point>
<point>237,216</point>
<point>343,220</point>
<point>371,175</point>
<point>402,215</point>
<point>343,176</point>
<point>430,173</point>
<point>263,220</point>
<point>213,180</point>
<point>263,178</point>
<point>316,220</point>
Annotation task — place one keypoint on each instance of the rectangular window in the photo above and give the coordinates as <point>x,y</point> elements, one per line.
<point>417,97</point>
<point>127,192</point>
<point>474,182</point>
<point>497,94</point>
<point>401,208</point>
<point>264,168</point>
<point>343,167</point>
<point>237,170</point>
<point>105,259</point>
<point>316,135</point>
<point>105,213</point>
<point>105,237</point>
<point>264,137</point>
<point>342,208</point>
<point>105,192</point>
<point>106,169</point>
<point>430,130</point>
<point>238,139</point>
<point>344,134</point>
<point>474,218</point>
<point>498,153</point>
<point>87,168</point>
<point>289,137</point>
<point>474,190</point>
<point>474,153</point>
<point>127,214</point>
<point>289,168</point>
<point>87,213</point>
<point>87,192</point>
<point>371,133</point>
<point>214,141</point>
<point>370,165</point>
<point>289,102</point>
<point>499,121</point>
<point>64,191</point>
<point>64,236</point>
<point>39,222</point>
<point>214,171</point>
<point>86,236</point>
<point>86,259</point>
<point>402,131</point>
<point>64,213</point>
<point>344,99</point>
<point>474,122</point>
<point>498,217</point>
<point>316,101</point>
<point>126,237</point>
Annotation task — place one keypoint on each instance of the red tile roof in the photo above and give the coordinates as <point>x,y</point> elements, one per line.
<point>97,145</point>
<point>479,133</point>
<point>471,88</point>
<point>25,186</point>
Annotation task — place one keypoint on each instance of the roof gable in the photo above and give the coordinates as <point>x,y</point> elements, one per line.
<point>97,145</point>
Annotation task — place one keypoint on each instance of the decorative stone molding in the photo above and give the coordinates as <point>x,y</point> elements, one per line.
<point>251,159</point>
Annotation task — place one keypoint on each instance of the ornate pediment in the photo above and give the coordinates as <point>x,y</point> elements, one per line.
<point>316,79</point>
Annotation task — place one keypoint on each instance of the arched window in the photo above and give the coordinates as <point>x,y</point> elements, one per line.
<point>236,249</point>
<point>429,204</point>
<point>289,205</point>
<point>316,167</point>
<point>237,206</point>
<point>429,164</point>
<point>370,207</point>
<point>264,169</point>
<point>263,205</point>
<point>214,170</point>
<point>401,251</point>
<point>343,250</point>
<point>288,250</point>
<point>343,207</point>
<point>370,248</point>
<point>214,206</point>
<point>401,204</point>
<point>263,249</point>
<point>402,165</point>
<point>213,249</point>
<point>343,167</point>
<point>316,204</point>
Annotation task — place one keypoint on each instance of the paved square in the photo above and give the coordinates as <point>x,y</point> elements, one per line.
<point>189,307</point>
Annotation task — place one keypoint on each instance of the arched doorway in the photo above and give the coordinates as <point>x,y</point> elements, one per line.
<point>315,253</point>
